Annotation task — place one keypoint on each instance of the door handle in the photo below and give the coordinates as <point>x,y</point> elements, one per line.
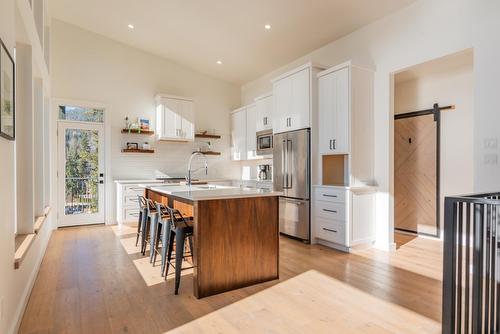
<point>283,163</point>
<point>326,195</point>
<point>289,185</point>
<point>329,230</point>
<point>334,144</point>
<point>330,144</point>
<point>328,210</point>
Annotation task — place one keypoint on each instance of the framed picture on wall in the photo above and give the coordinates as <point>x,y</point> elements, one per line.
<point>144,124</point>
<point>7,94</point>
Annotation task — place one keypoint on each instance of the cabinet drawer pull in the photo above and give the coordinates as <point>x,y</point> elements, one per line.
<point>328,210</point>
<point>326,195</point>
<point>329,230</point>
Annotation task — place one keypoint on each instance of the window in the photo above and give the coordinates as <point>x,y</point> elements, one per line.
<point>81,114</point>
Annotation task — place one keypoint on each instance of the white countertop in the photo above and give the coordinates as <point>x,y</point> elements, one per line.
<point>147,181</point>
<point>137,181</point>
<point>210,192</point>
<point>358,188</point>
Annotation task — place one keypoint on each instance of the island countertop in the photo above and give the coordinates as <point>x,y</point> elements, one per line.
<point>195,193</point>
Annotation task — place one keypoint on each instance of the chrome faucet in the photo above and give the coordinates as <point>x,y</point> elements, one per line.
<point>190,172</point>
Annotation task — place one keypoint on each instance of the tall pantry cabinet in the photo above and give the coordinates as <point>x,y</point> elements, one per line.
<point>344,198</point>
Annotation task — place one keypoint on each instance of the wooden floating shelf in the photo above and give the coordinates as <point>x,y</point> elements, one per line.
<point>125,150</point>
<point>208,153</point>
<point>135,131</point>
<point>200,135</point>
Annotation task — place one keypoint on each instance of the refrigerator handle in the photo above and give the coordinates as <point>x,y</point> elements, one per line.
<point>289,183</point>
<point>284,163</point>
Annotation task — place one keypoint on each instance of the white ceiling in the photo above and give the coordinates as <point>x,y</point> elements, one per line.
<point>197,33</point>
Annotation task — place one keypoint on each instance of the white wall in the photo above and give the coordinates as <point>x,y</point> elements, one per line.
<point>87,66</point>
<point>453,86</point>
<point>15,285</point>
<point>423,31</point>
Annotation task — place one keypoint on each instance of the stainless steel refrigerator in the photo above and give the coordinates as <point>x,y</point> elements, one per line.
<point>291,175</point>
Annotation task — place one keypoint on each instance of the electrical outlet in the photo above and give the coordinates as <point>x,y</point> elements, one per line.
<point>491,159</point>
<point>490,143</point>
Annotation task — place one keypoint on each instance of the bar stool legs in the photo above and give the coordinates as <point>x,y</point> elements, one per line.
<point>139,227</point>
<point>144,230</point>
<point>180,237</point>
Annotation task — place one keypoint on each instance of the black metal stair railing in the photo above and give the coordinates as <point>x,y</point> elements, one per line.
<point>471,295</point>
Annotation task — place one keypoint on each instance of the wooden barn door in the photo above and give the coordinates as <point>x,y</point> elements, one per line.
<point>416,173</point>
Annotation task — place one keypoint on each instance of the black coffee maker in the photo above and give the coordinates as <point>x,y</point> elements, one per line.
<point>265,172</point>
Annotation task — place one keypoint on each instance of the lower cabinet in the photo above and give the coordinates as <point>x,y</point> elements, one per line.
<point>127,202</point>
<point>343,217</point>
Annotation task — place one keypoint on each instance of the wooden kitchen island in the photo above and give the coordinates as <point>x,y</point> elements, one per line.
<point>236,234</point>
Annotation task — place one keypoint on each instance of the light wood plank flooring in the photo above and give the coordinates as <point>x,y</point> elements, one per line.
<point>88,283</point>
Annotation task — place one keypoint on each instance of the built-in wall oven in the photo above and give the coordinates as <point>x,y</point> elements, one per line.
<point>265,142</point>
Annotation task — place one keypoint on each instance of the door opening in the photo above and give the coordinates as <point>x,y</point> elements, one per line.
<point>81,192</point>
<point>432,146</point>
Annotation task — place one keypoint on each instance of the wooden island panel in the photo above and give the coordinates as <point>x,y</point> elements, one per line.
<point>185,208</point>
<point>236,243</point>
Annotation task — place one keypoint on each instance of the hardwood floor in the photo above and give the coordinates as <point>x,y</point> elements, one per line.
<point>88,283</point>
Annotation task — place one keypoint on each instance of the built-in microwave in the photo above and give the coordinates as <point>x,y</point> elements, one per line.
<point>265,142</point>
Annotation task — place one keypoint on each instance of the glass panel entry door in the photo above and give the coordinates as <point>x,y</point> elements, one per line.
<point>81,173</point>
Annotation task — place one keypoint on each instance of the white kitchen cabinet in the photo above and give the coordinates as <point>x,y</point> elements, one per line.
<point>251,138</point>
<point>174,118</point>
<point>239,134</point>
<point>127,202</point>
<point>343,217</point>
<point>345,121</point>
<point>333,115</point>
<point>187,124</point>
<point>264,109</point>
<point>345,116</point>
<point>294,96</point>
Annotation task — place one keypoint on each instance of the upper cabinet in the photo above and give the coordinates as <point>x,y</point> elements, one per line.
<point>294,96</point>
<point>334,112</point>
<point>264,110</point>
<point>243,133</point>
<point>345,118</point>
<point>251,138</point>
<point>239,134</point>
<point>174,118</point>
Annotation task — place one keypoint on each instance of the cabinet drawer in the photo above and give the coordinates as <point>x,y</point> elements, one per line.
<point>131,215</point>
<point>131,201</point>
<point>133,189</point>
<point>329,210</point>
<point>330,231</point>
<point>330,195</point>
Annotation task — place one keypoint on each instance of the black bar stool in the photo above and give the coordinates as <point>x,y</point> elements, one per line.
<point>157,230</point>
<point>140,225</point>
<point>146,211</point>
<point>179,229</point>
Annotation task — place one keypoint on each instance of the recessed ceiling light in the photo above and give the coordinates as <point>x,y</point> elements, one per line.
<point>267,26</point>
<point>219,62</point>
<point>131,26</point>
